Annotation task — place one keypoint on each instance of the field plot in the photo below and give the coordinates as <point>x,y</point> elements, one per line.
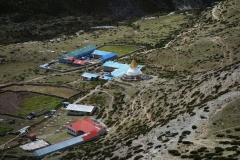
<point>120,50</point>
<point>57,91</point>
<point>22,103</point>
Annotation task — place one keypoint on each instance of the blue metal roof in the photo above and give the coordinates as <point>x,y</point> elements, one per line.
<point>121,69</point>
<point>108,56</point>
<point>106,77</point>
<point>100,53</point>
<point>113,64</point>
<point>89,75</point>
<point>79,52</point>
<point>59,146</point>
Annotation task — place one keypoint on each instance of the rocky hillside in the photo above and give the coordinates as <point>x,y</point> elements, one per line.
<point>188,110</point>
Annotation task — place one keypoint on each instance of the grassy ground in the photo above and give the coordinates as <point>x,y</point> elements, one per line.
<point>120,50</point>
<point>5,128</point>
<point>22,60</point>
<point>137,113</point>
<point>225,126</point>
<point>37,103</point>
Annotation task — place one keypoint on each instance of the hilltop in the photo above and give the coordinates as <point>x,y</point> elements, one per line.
<point>25,20</point>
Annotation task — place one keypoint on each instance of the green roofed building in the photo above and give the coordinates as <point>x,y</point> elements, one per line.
<point>77,54</point>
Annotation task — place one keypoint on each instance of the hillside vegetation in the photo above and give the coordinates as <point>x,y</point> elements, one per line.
<point>182,112</point>
<point>188,110</point>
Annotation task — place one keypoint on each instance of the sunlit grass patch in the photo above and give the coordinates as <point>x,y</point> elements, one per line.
<point>36,103</point>
<point>120,50</point>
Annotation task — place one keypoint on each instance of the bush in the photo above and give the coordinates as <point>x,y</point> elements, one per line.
<point>195,157</point>
<point>237,129</point>
<point>184,156</point>
<point>158,146</point>
<point>220,135</point>
<point>174,152</point>
<point>186,132</point>
<point>138,157</point>
<point>138,151</point>
<point>194,127</point>
<point>218,149</point>
<point>129,142</point>
<point>202,149</point>
<point>187,142</point>
<point>194,152</point>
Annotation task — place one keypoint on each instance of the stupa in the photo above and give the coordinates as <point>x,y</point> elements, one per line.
<point>134,70</point>
<point>134,73</point>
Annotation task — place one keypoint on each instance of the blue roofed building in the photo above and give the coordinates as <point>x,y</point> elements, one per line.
<point>77,54</point>
<point>89,76</point>
<point>109,56</point>
<point>103,55</point>
<point>117,69</point>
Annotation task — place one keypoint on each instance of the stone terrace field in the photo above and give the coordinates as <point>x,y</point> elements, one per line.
<point>22,103</point>
<point>57,91</point>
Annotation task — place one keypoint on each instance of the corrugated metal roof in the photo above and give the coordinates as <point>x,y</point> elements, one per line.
<point>82,108</point>
<point>90,135</point>
<point>100,53</point>
<point>80,62</point>
<point>32,134</point>
<point>89,75</point>
<point>85,125</point>
<point>108,56</point>
<point>70,58</point>
<point>120,72</point>
<point>78,52</point>
<point>113,64</point>
<point>66,144</point>
<point>121,69</point>
<point>106,77</point>
<point>59,146</point>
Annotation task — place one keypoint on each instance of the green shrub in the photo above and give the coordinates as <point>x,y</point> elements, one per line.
<point>158,146</point>
<point>218,149</point>
<point>220,135</point>
<point>187,142</point>
<point>184,156</point>
<point>237,129</point>
<point>194,127</point>
<point>202,149</point>
<point>186,132</point>
<point>174,152</point>
<point>194,152</point>
<point>195,157</point>
<point>138,157</point>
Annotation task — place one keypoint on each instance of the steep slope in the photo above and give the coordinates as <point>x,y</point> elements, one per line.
<point>211,42</point>
<point>21,20</point>
<point>182,112</point>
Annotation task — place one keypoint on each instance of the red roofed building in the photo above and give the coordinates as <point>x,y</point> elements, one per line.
<point>32,137</point>
<point>80,62</point>
<point>85,125</point>
<point>70,58</point>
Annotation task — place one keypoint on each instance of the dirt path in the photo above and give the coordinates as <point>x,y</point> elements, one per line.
<point>214,13</point>
<point>90,93</point>
<point>209,143</point>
